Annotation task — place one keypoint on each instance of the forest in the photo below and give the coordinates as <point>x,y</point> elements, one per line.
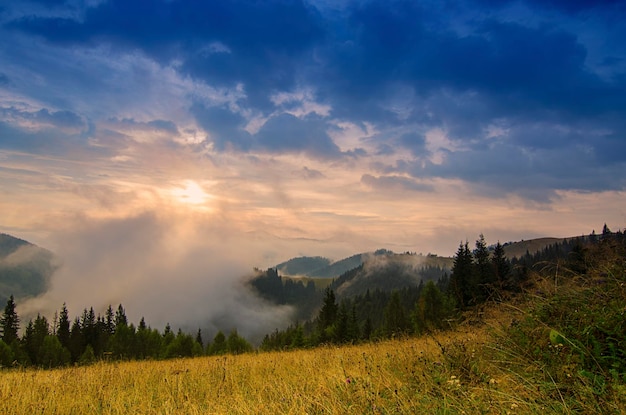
<point>331,315</point>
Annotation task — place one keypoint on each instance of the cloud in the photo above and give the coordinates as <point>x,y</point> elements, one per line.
<point>160,267</point>
<point>342,122</point>
<point>308,174</point>
<point>286,132</point>
<point>395,184</point>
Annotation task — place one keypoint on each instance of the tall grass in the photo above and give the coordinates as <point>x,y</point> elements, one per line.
<point>463,372</point>
<point>559,349</point>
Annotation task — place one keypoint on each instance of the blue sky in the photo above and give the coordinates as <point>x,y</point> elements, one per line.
<point>312,127</point>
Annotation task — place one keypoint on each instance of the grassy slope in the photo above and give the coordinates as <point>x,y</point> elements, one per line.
<point>544,352</point>
<point>463,371</point>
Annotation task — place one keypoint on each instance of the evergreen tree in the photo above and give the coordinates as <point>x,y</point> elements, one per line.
<point>63,330</point>
<point>123,343</point>
<point>297,340</point>
<point>199,338</point>
<point>500,266</point>
<point>368,329</point>
<point>219,345</point>
<point>236,344</point>
<point>354,332</point>
<point>109,320</point>
<point>341,327</point>
<point>9,322</point>
<point>483,275</point>
<point>120,317</point>
<point>77,341</point>
<point>52,353</point>
<point>396,321</point>
<point>33,338</point>
<point>460,285</point>
<point>168,336</point>
<point>431,310</point>
<point>6,355</point>
<point>327,316</point>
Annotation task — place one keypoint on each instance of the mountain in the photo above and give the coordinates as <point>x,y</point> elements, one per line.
<point>320,267</point>
<point>25,269</point>
<point>388,271</point>
<point>520,248</point>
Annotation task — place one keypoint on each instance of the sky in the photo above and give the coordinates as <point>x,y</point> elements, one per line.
<point>174,143</point>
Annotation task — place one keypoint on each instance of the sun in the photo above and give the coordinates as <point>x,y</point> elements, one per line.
<point>191,193</point>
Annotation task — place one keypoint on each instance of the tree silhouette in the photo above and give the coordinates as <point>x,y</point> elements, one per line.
<point>9,322</point>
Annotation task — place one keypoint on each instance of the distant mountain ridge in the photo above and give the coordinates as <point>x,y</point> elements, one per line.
<point>320,267</point>
<point>25,269</point>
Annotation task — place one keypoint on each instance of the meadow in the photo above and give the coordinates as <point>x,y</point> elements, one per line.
<point>558,347</point>
<point>465,371</point>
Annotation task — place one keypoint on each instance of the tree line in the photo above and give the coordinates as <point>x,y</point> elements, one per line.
<point>478,275</point>
<point>93,337</point>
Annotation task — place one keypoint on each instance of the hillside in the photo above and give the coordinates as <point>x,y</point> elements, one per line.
<point>319,267</point>
<point>520,248</point>
<point>25,269</point>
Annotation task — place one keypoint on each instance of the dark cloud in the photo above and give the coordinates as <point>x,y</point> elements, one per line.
<point>493,81</point>
<point>226,128</point>
<point>287,133</point>
<point>503,169</point>
<point>415,142</point>
<point>566,6</point>
<point>262,38</point>
<point>60,118</point>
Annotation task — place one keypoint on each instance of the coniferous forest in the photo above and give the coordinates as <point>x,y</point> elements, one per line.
<point>330,315</point>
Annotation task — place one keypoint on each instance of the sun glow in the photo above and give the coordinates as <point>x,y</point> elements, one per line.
<point>191,193</point>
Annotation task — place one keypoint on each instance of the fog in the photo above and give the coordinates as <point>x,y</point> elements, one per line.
<point>169,268</point>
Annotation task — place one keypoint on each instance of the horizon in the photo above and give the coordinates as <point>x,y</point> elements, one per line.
<point>181,145</point>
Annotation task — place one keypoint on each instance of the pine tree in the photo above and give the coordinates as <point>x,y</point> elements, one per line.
<point>341,328</point>
<point>431,310</point>
<point>77,341</point>
<point>396,321</point>
<point>354,333</point>
<point>327,316</point>
<point>120,317</point>
<point>9,322</point>
<point>109,321</point>
<point>219,345</point>
<point>199,338</point>
<point>483,276</point>
<point>63,330</point>
<point>500,265</point>
<point>460,285</point>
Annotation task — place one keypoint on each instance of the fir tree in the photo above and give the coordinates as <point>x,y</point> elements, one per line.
<point>63,330</point>
<point>9,323</point>
<point>396,321</point>
<point>500,265</point>
<point>327,316</point>
<point>120,317</point>
<point>199,338</point>
<point>483,275</point>
<point>460,285</point>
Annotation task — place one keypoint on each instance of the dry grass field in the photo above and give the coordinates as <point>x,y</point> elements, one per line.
<point>460,372</point>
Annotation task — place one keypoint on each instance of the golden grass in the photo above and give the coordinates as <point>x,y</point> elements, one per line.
<point>449,373</point>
